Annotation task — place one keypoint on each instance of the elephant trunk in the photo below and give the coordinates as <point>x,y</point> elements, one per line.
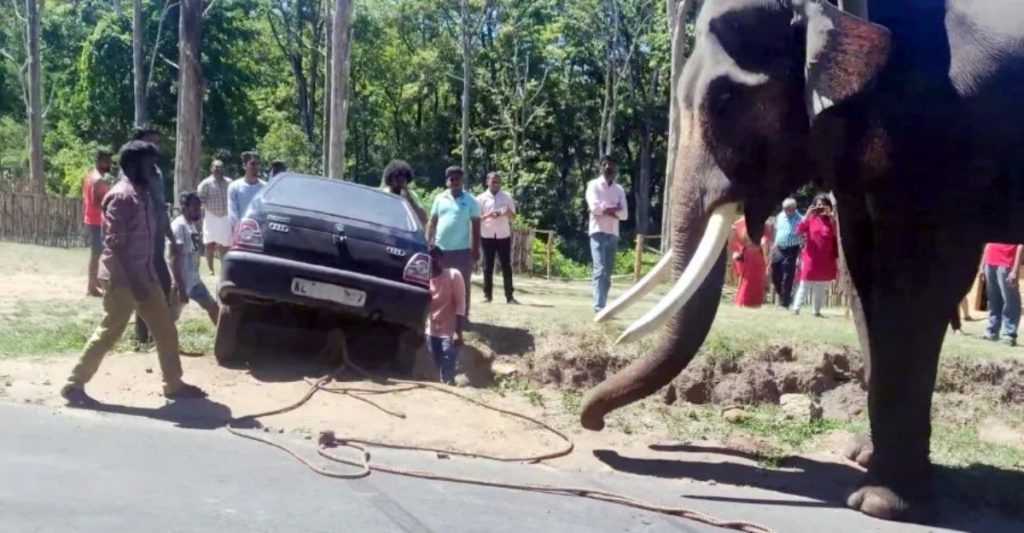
<point>686,331</point>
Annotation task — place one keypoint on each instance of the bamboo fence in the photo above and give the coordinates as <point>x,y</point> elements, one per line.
<point>42,220</point>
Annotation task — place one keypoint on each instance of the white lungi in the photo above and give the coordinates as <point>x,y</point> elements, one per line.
<point>216,230</point>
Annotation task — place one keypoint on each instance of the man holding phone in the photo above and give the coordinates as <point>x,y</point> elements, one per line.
<point>498,210</point>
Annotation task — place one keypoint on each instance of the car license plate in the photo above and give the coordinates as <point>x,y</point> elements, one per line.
<point>329,292</point>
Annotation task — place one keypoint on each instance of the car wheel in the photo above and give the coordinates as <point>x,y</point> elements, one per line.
<point>225,345</point>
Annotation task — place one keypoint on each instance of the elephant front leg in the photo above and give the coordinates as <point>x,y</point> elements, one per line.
<point>905,283</point>
<point>905,339</point>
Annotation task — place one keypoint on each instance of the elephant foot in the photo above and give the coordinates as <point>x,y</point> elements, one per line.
<point>859,450</point>
<point>910,499</point>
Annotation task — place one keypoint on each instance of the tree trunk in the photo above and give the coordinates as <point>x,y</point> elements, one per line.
<point>609,138</point>
<point>37,179</point>
<point>677,32</point>
<point>117,7</point>
<point>608,81</point>
<point>326,129</point>
<point>137,61</point>
<point>190,98</point>
<point>642,188</point>
<point>302,96</point>
<point>467,82</point>
<point>340,44</point>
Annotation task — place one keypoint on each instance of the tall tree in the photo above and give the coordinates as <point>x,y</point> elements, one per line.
<point>137,61</point>
<point>467,79</point>
<point>190,98</point>
<point>37,179</point>
<point>325,127</point>
<point>297,27</point>
<point>341,31</point>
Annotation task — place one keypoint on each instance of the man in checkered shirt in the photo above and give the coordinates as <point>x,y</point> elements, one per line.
<point>785,252</point>
<point>213,191</point>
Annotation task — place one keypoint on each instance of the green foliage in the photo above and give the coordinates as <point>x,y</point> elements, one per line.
<point>287,142</point>
<point>13,152</point>
<point>101,99</point>
<point>565,267</point>
<point>537,94</point>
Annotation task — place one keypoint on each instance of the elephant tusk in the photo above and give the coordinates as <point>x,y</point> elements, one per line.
<point>659,273</point>
<point>715,235</point>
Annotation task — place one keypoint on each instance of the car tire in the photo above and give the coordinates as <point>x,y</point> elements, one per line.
<point>225,344</point>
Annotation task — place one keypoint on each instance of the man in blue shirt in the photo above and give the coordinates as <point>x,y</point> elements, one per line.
<point>242,191</point>
<point>786,251</point>
<point>455,228</point>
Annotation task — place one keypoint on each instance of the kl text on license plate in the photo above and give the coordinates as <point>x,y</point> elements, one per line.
<point>329,292</point>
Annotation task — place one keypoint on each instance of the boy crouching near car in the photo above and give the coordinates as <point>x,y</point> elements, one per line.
<point>185,255</point>
<point>447,315</point>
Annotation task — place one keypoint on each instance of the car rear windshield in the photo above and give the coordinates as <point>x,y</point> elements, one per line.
<point>340,199</point>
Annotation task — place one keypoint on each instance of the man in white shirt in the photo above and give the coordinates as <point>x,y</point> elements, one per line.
<point>606,201</point>
<point>498,210</point>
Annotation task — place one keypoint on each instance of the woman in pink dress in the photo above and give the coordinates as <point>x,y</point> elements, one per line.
<point>748,263</point>
<point>819,261</point>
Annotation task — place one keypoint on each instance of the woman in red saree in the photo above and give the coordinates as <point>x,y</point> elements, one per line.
<point>748,263</point>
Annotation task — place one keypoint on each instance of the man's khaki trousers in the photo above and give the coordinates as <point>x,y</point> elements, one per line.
<point>118,305</point>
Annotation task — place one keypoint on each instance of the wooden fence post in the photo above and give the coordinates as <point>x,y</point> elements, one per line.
<point>550,247</point>
<point>638,257</point>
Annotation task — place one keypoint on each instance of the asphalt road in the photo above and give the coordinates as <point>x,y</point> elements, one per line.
<point>84,471</point>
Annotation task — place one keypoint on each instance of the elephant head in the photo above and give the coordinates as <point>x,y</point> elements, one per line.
<point>754,101</point>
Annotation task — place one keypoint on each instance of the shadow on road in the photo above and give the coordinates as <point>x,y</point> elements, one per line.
<point>189,414</point>
<point>964,491</point>
<point>822,481</point>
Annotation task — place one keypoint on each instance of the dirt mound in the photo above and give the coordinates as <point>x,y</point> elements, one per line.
<point>753,385</point>
<point>962,375</point>
<point>763,376</point>
<point>844,403</point>
<point>574,360</point>
<point>578,361</point>
<point>834,376</point>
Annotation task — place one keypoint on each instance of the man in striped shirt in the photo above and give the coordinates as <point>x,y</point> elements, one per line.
<point>785,252</point>
<point>213,193</point>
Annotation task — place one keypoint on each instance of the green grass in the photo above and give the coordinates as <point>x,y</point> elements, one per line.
<point>42,328</point>
<point>63,327</point>
<point>571,401</point>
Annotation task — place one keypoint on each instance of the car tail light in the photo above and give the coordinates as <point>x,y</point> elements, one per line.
<point>248,236</point>
<point>417,270</point>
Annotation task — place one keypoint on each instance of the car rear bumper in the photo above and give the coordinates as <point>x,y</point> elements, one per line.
<point>247,275</point>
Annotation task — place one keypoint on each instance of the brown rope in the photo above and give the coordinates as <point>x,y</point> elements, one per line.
<point>365,466</point>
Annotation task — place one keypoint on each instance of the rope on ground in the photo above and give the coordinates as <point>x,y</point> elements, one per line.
<point>328,440</point>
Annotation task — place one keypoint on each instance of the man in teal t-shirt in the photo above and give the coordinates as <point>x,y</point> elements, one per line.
<point>455,227</point>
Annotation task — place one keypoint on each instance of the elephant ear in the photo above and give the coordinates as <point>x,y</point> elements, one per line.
<point>844,54</point>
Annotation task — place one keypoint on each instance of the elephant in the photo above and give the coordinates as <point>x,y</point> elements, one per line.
<point>912,118</point>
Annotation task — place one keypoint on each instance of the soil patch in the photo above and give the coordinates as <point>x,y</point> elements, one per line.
<point>834,376</point>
